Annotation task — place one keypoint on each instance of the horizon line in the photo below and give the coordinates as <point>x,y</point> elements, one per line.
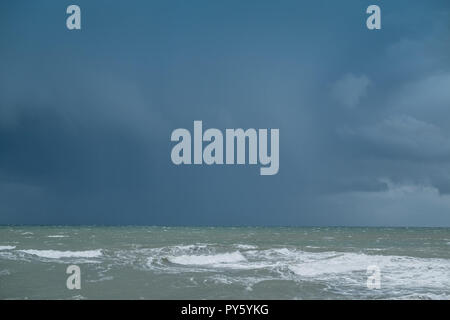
<point>218,226</point>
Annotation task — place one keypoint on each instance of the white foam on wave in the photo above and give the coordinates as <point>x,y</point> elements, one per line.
<point>56,254</point>
<point>189,247</point>
<point>211,259</point>
<point>319,264</point>
<point>245,246</point>
<point>342,271</point>
<point>397,271</point>
<point>57,236</point>
<point>5,272</point>
<point>7,247</point>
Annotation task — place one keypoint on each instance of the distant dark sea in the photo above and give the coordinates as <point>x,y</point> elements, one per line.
<point>224,263</point>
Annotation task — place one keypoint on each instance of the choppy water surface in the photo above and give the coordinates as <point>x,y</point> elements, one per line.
<point>224,263</point>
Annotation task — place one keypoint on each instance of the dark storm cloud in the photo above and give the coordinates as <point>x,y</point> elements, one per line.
<point>86,116</point>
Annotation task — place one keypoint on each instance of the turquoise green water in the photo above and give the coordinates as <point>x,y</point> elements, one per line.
<point>224,263</point>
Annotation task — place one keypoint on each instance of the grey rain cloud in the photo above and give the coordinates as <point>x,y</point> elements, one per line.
<point>405,137</point>
<point>86,117</point>
<point>350,89</point>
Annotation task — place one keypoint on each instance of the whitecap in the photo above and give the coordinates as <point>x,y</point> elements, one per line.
<point>397,271</point>
<point>245,246</point>
<point>7,247</point>
<point>213,259</point>
<point>5,272</point>
<point>56,254</point>
<point>106,278</point>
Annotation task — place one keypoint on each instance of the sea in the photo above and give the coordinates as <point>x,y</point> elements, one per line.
<point>133,262</point>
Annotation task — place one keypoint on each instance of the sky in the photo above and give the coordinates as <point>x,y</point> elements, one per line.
<point>86,115</point>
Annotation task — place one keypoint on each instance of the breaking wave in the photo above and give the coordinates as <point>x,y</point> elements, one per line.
<point>55,254</point>
<point>7,247</point>
<point>340,270</point>
<point>214,259</point>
